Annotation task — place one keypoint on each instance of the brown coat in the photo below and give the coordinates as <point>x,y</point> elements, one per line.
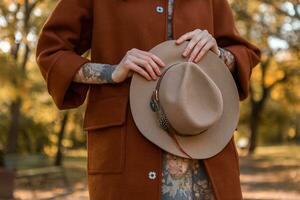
<point>119,157</point>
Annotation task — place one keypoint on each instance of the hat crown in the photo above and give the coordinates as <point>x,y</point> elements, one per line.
<point>191,100</point>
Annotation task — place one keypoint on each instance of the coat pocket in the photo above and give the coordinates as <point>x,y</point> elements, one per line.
<point>105,123</point>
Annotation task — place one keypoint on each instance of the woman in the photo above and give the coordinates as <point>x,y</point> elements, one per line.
<point>122,164</point>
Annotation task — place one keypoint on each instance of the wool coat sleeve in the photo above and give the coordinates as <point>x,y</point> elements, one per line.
<point>227,36</point>
<point>64,37</point>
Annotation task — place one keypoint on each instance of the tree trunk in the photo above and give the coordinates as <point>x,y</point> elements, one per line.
<point>59,155</point>
<point>254,130</point>
<point>27,139</point>
<point>12,137</point>
<point>297,127</point>
<point>255,116</point>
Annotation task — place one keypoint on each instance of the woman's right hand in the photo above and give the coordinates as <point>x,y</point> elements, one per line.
<point>145,63</point>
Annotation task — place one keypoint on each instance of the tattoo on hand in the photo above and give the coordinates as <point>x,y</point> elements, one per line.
<point>95,73</point>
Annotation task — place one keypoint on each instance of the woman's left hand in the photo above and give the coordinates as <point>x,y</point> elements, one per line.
<point>200,42</point>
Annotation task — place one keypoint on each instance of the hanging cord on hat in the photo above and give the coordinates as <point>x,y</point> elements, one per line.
<point>162,118</point>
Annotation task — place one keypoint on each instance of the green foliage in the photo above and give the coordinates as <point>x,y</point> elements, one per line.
<point>276,121</point>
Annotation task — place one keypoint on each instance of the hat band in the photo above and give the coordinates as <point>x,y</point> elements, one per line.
<point>162,118</point>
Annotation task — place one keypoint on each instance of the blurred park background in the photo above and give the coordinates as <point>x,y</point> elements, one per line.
<point>40,142</point>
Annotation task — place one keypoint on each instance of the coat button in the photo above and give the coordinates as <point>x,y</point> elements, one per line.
<point>159,9</point>
<point>152,175</point>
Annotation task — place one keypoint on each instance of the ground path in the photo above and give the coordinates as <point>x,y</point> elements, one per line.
<point>273,173</point>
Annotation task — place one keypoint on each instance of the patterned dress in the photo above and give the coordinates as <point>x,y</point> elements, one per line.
<point>183,178</point>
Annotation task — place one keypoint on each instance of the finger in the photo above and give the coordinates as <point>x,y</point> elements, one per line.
<point>151,62</point>
<point>154,57</point>
<point>191,45</point>
<point>143,63</point>
<point>198,48</point>
<point>155,67</point>
<point>139,70</point>
<point>215,46</point>
<point>204,50</point>
<point>185,36</point>
<point>158,60</point>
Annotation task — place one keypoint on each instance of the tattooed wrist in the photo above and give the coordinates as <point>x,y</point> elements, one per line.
<point>228,58</point>
<point>95,73</point>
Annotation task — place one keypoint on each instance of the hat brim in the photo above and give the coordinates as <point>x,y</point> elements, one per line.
<point>206,144</point>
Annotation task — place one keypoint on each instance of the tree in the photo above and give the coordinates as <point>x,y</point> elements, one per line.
<point>59,154</point>
<point>263,21</point>
<point>19,26</point>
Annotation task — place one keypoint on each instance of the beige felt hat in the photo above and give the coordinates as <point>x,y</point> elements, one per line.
<point>192,110</point>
